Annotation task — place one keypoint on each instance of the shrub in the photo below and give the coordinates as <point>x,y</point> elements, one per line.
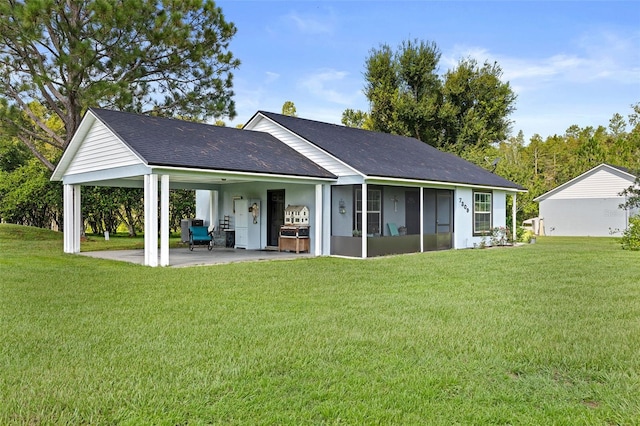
<point>524,235</point>
<point>500,236</point>
<point>631,236</point>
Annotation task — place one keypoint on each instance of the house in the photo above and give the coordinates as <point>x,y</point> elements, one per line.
<point>587,205</point>
<point>358,186</point>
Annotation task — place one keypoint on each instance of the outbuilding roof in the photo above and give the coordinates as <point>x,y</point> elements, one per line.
<point>161,141</point>
<point>377,154</point>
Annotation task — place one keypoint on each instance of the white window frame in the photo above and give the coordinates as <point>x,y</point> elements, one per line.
<point>480,204</point>
<point>374,212</point>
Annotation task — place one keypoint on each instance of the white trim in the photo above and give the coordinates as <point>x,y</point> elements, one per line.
<point>363,220</point>
<point>78,140</point>
<point>253,122</point>
<point>72,218</point>
<point>151,220</point>
<point>379,180</point>
<point>513,217</point>
<point>107,174</point>
<point>164,220</point>
<point>232,174</point>
<point>74,145</point>
<point>319,226</point>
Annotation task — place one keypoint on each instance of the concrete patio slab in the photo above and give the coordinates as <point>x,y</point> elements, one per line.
<point>181,257</point>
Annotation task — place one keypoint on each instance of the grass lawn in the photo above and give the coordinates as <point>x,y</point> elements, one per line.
<point>547,333</point>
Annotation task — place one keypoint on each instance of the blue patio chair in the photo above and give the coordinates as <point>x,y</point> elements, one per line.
<point>200,236</point>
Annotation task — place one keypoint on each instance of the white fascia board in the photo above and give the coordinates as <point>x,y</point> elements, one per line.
<point>106,175</point>
<point>350,180</point>
<point>74,145</point>
<point>447,185</point>
<point>582,176</point>
<point>247,176</point>
<point>76,142</point>
<point>254,120</point>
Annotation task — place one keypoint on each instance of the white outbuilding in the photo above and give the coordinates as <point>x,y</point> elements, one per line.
<point>588,205</point>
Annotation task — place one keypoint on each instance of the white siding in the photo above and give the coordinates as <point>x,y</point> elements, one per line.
<point>305,148</point>
<point>464,237</point>
<point>601,184</point>
<point>101,150</point>
<point>583,217</point>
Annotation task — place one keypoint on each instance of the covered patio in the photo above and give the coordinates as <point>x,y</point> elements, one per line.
<point>158,154</point>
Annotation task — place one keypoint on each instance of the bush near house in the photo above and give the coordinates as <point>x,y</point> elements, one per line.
<point>630,239</point>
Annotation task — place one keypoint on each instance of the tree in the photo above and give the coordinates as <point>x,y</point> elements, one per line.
<point>468,107</point>
<point>403,89</point>
<point>28,197</point>
<point>288,108</point>
<point>171,58</point>
<point>356,118</point>
<point>632,195</point>
<point>13,154</point>
<point>476,105</point>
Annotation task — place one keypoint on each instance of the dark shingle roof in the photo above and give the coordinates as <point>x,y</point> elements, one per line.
<point>385,155</point>
<point>176,143</point>
<point>622,169</point>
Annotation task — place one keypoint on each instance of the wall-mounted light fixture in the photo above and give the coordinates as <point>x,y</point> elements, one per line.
<point>342,208</point>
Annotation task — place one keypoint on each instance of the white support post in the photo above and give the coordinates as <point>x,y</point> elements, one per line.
<point>213,210</point>
<point>365,225</point>
<point>146,218</point>
<point>151,220</point>
<point>326,232</point>
<point>67,218</point>
<point>164,220</point>
<point>421,220</point>
<point>513,216</point>
<point>317,251</point>
<point>72,214</point>
<point>77,217</point>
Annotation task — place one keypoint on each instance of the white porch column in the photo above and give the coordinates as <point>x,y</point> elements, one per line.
<point>72,217</point>
<point>151,220</point>
<point>317,250</point>
<point>164,220</point>
<point>421,220</point>
<point>326,214</point>
<point>513,215</point>
<point>365,225</point>
<point>213,210</point>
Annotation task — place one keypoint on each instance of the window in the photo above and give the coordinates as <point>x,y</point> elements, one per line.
<point>482,220</point>
<point>374,211</point>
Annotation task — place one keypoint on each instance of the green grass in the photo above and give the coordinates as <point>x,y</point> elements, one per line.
<point>541,334</point>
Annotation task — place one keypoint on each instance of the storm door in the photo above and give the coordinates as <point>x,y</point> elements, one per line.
<point>444,219</point>
<point>275,215</point>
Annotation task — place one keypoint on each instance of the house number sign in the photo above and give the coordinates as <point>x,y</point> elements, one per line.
<point>464,206</point>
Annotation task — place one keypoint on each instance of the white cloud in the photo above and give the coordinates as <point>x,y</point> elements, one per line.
<point>598,56</point>
<point>329,85</point>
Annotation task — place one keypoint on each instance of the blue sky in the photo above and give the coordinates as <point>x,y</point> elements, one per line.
<point>569,62</point>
